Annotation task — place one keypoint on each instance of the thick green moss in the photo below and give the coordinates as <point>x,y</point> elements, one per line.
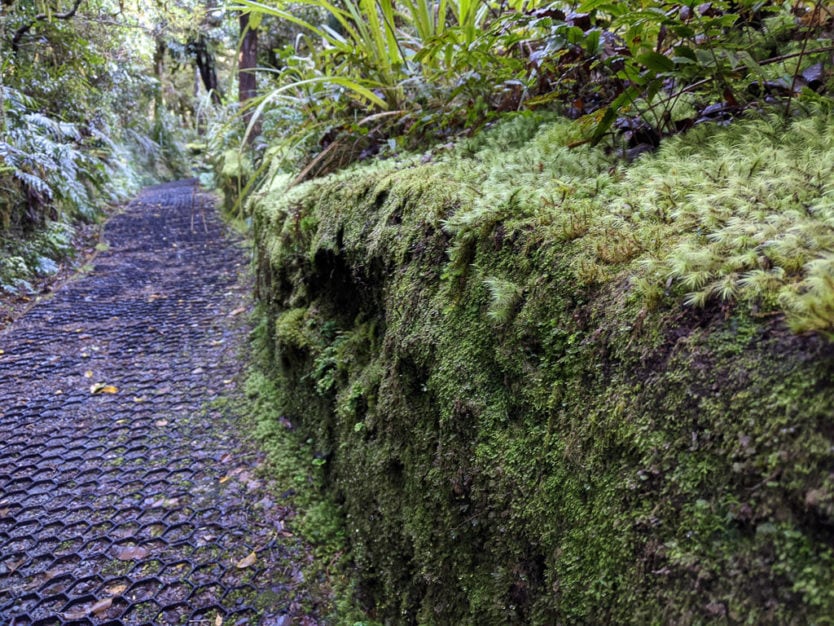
<point>522,419</point>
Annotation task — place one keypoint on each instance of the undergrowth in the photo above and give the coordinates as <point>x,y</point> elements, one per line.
<point>295,469</point>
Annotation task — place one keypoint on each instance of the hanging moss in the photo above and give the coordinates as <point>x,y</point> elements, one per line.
<point>546,389</point>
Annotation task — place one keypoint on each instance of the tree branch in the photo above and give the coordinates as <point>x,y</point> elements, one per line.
<point>21,32</point>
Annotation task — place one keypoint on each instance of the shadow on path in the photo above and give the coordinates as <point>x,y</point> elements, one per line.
<point>125,496</point>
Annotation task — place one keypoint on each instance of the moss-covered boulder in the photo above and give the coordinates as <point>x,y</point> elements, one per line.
<point>550,387</point>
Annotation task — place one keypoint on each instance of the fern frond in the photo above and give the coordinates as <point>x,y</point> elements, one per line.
<point>34,182</point>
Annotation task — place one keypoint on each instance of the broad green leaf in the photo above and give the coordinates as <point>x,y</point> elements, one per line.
<point>655,62</point>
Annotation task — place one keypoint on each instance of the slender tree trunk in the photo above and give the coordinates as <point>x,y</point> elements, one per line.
<point>158,70</point>
<point>205,65</point>
<point>247,61</point>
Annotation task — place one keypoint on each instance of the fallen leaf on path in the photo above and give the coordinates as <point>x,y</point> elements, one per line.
<point>102,388</point>
<point>249,561</point>
<point>13,565</point>
<point>116,590</point>
<point>161,423</point>
<point>218,621</point>
<point>163,503</point>
<point>131,553</point>
<point>101,606</point>
<point>228,476</point>
<point>156,296</point>
<point>88,374</point>
<point>59,392</point>
<point>2,352</point>
<point>76,614</point>
<point>237,311</point>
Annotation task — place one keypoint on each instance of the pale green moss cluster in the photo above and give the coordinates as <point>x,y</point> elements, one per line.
<point>496,354</point>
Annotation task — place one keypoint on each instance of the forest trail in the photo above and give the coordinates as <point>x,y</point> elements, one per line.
<point>126,496</point>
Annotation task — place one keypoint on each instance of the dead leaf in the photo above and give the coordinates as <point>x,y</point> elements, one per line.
<point>59,392</point>
<point>237,311</point>
<point>231,474</point>
<point>12,566</point>
<point>101,606</point>
<point>88,374</point>
<point>249,561</point>
<point>156,296</point>
<point>2,352</point>
<point>116,590</point>
<point>131,553</point>
<point>86,609</point>
<point>218,621</point>
<point>76,614</point>
<point>102,388</point>
<point>161,423</point>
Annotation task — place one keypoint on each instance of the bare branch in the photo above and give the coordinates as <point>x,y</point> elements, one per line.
<point>21,32</point>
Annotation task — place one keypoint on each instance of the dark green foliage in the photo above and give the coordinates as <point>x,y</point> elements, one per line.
<point>394,76</point>
<point>515,433</point>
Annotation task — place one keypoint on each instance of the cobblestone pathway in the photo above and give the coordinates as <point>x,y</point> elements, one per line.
<point>125,497</point>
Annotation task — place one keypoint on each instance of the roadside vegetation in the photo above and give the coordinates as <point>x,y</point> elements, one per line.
<point>366,78</point>
<point>546,288</point>
<point>96,99</point>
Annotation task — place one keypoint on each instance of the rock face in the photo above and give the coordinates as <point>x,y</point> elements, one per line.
<point>529,414</point>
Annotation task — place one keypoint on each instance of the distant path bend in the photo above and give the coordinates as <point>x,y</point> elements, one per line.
<point>125,494</point>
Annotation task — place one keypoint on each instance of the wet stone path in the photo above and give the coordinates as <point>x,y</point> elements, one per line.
<point>125,495</point>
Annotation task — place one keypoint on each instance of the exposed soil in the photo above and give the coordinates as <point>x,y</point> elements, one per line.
<point>126,493</point>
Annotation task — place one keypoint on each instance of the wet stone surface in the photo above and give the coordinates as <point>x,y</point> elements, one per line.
<point>125,494</point>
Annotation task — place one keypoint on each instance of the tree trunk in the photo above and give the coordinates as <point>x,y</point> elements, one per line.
<point>158,70</point>
<point>205,65</point>
<point>247,61</point>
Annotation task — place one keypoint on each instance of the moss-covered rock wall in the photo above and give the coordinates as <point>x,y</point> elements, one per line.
<point>553,388</point>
